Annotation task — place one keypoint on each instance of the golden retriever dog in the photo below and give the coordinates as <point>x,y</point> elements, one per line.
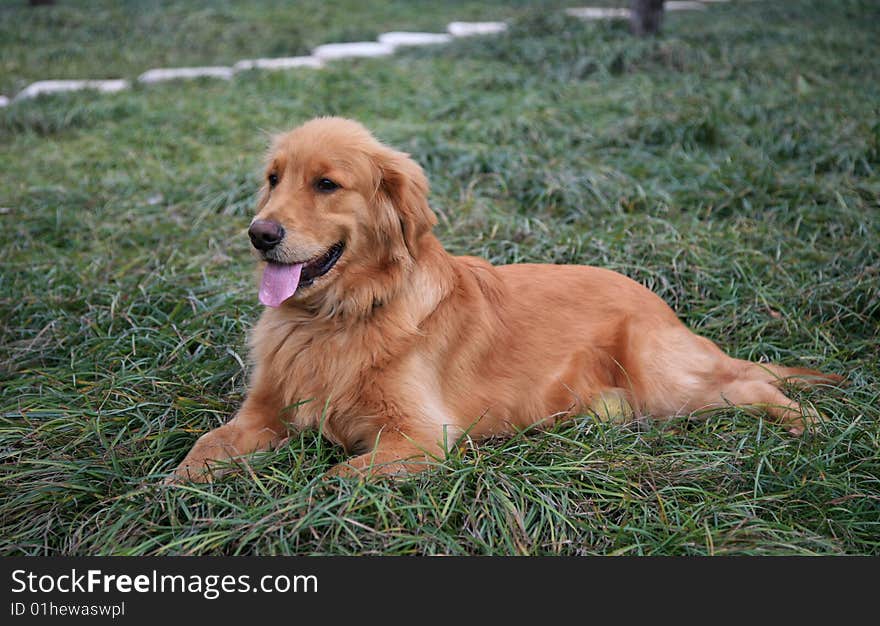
<point>397,350</point>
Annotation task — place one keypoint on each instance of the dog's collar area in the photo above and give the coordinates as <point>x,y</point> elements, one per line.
<point>321,265</point>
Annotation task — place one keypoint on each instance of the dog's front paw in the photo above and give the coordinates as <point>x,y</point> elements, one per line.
<point>372,466</point>
<point>190,472</point>
<point>345,470</point>
<point>200,465</point>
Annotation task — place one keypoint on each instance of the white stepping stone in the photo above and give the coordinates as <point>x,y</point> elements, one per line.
<point>683,6</point>
<point>159,75</point>
<point>469,29</point>
<point>402,38</point>
<point>331,51</point>
<point>597,13</point>
<point>281,63</point>
<point>4,101</point>
<point>58,86</point>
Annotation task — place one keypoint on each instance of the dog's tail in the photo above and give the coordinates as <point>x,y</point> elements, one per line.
<point>802,377</point>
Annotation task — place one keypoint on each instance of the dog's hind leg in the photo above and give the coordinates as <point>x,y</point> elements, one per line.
<point>759,384</point>
<point>763,396</point>
<point>682,373</point>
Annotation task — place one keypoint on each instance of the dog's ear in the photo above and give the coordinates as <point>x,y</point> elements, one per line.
<point>406,186</point>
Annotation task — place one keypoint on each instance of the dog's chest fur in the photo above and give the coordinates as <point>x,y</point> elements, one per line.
<point>332,378</point>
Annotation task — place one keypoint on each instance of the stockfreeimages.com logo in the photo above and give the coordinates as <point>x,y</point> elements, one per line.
<point>210,586</point>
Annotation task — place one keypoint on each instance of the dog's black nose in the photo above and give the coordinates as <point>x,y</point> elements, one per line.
<point>265,234</point>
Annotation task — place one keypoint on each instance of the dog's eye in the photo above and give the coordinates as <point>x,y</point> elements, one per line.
<point>273,180</point>
<point>325,185</point>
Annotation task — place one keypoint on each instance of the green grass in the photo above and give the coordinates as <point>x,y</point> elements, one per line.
<point>733,166</point>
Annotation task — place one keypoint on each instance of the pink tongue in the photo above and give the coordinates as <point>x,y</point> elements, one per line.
<point>279,283</point>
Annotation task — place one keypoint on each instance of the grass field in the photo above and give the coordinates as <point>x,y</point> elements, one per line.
<point>733,166</point>
<point>113,39</point>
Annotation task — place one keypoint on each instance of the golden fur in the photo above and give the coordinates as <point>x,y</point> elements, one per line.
<point>401,349</point>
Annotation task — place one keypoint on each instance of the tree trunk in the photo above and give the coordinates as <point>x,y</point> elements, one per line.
<point>647,15</point>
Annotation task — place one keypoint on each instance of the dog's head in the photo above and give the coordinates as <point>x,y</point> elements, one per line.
<point>340,215</point>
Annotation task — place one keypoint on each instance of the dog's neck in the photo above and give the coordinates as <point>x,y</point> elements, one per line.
<point>429,280</point>
<point>412,289</point>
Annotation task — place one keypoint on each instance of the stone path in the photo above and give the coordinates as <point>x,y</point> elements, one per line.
<point>386,44</point>
<point>57,86</point>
